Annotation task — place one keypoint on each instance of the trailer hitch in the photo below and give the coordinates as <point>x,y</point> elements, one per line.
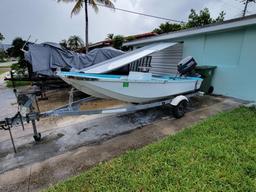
<point>8,123</point>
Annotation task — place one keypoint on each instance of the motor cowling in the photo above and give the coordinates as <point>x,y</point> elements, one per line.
<point>187,65</point>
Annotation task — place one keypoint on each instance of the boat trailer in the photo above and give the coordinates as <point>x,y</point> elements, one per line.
<point>32,114</point>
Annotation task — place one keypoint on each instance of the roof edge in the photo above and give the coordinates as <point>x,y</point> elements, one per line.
<point>226,25</point>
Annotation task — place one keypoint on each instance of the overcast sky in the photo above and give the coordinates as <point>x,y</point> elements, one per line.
<point>47,20</point>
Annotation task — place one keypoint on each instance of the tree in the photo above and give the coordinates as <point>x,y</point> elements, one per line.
<point>110,36</point>
<point>167,27</point>
<point>221,17</point>
<point>15,51</point>
<point>2,52</point>
<point>74,42</point>
<point>246,2</point>
<point>63,43</point>
<point>130,38</point>
<point>3,56</point>
<point>1,37</point>
<point>79,5</point>
<point>118,41</point>
<point>194,20</point>
<point>203,18</point>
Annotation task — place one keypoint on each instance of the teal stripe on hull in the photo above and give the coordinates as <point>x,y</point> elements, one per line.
<point>116,77</point>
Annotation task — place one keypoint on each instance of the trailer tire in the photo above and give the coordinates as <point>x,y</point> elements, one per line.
<point>180,110</point>
<point>210,90</point>
<point>37,137</point>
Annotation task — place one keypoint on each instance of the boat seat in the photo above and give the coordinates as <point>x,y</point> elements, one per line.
<point>139,76</point>
<point>141,65</point>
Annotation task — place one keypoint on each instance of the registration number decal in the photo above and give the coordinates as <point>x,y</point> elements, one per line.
<point>125,84</point>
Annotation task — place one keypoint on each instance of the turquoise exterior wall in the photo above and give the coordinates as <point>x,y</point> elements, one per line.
<point>234,53</point>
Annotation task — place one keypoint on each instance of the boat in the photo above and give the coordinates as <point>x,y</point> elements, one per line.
<point>137,87</point>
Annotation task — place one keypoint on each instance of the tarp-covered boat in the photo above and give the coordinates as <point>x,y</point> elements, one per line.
<point>45,58</point>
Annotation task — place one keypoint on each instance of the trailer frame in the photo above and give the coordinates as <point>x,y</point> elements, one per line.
<point>178,103</point>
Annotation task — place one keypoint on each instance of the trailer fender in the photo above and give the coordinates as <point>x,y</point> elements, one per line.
<point>178,99</point>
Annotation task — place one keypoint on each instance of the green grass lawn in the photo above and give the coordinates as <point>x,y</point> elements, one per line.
<point>3,71</point>
<point>218,154</point>
<point>17,83</point>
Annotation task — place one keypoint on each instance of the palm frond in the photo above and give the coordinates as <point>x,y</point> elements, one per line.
<point>78,5</point>
<point>66,1</point>
<point>77,8</point>
<point>107,3</point>
<point>93,3</point>
<point>110,4</point>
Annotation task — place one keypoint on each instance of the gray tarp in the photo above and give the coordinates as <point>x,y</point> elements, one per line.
<point>47,57</point>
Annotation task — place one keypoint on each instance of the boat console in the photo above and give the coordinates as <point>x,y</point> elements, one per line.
<point>139,76</point>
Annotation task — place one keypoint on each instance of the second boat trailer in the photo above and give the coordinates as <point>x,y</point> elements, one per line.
<point>28,102</point>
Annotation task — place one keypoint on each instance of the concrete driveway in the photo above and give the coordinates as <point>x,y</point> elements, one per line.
<point>74,144</point>
<point>7,99</point>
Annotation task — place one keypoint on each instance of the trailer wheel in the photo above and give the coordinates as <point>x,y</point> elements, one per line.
<point>180,110</point>
<point>37,137</point>
<point>210,90</point>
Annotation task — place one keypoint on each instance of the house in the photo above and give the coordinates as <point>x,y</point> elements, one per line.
<point>230,45</point>
<point>109,42</point>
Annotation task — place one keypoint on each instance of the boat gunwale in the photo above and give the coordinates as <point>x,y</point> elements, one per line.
<point>155,79</point>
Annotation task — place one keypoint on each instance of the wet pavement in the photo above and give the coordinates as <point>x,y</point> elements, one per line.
<point>8,104</point>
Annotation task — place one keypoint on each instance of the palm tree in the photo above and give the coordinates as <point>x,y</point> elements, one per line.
<point>74,42</point>
<point>79,5</point>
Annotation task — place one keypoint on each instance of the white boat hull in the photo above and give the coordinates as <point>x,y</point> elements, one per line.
<point>139,92</point>
<point>80,85</point>
<point>132,90</point>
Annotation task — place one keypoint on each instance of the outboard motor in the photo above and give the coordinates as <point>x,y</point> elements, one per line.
<point>186,66</point>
